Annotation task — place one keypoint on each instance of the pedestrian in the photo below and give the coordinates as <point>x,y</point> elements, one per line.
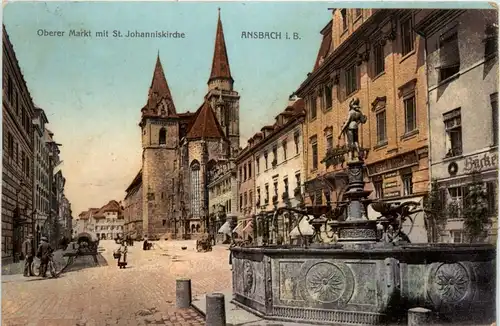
<point>29,253</point>
<point>122,259</point>
<point>43,253</point>
<point>145,243</point>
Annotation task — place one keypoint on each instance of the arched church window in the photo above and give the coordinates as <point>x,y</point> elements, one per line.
<point>195,189</point>
<point>163,136</point>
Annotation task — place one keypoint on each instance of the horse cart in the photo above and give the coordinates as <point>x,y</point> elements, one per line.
<point>204,243</point>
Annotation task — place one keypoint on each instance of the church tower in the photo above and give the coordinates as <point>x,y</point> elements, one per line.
<point>160,141</point>
<point>221,95</point>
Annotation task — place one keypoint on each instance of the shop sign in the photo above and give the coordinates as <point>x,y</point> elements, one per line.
<point>394,163</point>
<point>481,162</point>
<point>392,194</point>
<point>390,175</point>
<point>390,184</point>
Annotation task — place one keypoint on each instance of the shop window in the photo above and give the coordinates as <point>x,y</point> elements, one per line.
<point>457,236</point>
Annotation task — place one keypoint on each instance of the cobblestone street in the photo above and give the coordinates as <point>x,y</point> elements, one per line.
<point>144,293</point>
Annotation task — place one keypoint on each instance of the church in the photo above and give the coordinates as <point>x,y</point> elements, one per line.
<point>168,198</point>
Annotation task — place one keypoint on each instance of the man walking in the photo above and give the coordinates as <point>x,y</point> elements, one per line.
<point>29,253</point>
<point>44,250</point>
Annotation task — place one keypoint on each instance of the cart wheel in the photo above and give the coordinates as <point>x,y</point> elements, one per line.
<point>35,267</point>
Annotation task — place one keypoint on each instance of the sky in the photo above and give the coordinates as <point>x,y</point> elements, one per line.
<point>92,89</point>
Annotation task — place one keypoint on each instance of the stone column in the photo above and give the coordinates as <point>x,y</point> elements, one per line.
<point>419,317</point>
<point>215,310</point>
<point>183,293</point>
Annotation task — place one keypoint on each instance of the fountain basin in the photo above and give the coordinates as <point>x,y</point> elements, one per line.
<point>365,283</point>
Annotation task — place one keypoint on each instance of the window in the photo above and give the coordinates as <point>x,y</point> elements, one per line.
<point>381,128</point>
<point>312,109</point>
<point>241,174</point>
<point>314,152</point>
<point>357,13</point>
<point>379,59</point>
<point>453,127</point>
<point>457,196</point>
<point>250,198</point>
<point>245,173</point>
<point>275,185</point>
<point>163,136</point>
<point>410,114</point>
<point>10,144</point>
<point>407,184</point>
<point>245,200</point>
<point>407,36</point>
<point>343,13</point>
<point>449,54</point>
<point>491,40</point>
<point>257,163</point>
<point>265,158</point>
<point>456,236</point>
<point>329,141</point>
<point>267,193</point>
<point>258,196</point>
<point>28,169</point>
<point>494,117</point>
<point>491,193</point>
<point>23,162</point>
<point>163,222</point>
<point>284,143</point>
<point>285,183</point>
<point>275,156</point>
<point>297,178</point>
<point>249,170</point>
<point>241,202</point>
<point>195,189</point>
<point>351,81</point>
<point>296,138</point>
<point>328,97</point>
<point>379,190</point>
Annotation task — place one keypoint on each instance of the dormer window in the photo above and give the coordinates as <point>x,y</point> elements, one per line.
<point>343,13</point>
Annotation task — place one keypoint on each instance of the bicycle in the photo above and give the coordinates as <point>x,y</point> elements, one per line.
<point>51,266</point>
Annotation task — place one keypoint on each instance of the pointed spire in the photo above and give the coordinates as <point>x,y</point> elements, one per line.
<point>159,89</point>
<point>220,62</point>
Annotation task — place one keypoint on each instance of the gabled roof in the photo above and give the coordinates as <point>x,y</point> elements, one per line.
<point>159,91</point>
<point>326,43</point>
<point>137,181</point>
<point>220,61</point>
<point>205,124</point>
<point>111,206</point>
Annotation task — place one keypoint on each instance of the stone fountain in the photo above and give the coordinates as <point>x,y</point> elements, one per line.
<point>372,275</point>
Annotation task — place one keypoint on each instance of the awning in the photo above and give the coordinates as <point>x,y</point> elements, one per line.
<point>225,228</point>
<point>239,228</point>
<point>305,228</point>
<point>248,228</point>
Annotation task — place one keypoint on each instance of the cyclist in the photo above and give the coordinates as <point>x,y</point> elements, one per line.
<point>43,253</point>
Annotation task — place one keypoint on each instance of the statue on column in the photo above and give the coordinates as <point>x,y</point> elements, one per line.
<point>350,128</point>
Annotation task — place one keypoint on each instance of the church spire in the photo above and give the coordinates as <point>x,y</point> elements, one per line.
<point>159,90</point>
<point>220,62</point>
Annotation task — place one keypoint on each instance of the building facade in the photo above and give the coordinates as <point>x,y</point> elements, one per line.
<point>179,149</point>
<point>17,162</point>
<point>65,217</point>
<point>41,173</point>
<point>222,194</point>
<point>373,55</point>
<point>246,197</point>
<point>279,163</point>
<point>109,221</point>
<point>462,74</point>
<point>132,208</point>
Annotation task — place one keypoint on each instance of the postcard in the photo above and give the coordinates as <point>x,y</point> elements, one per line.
<point>249,163</point>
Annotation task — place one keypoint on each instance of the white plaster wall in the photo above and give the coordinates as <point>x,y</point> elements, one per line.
<point>285,168</point>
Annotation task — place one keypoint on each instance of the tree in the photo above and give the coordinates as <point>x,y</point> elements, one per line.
<point>475,211</point>
<point>436,212</point>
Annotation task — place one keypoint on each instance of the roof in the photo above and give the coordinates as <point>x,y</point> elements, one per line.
<point>220,61</point>
<point>205,124</point>
<point>137,181</point>
<point>111,206</point>
<point>158,91</point>
<point>325,47</point>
